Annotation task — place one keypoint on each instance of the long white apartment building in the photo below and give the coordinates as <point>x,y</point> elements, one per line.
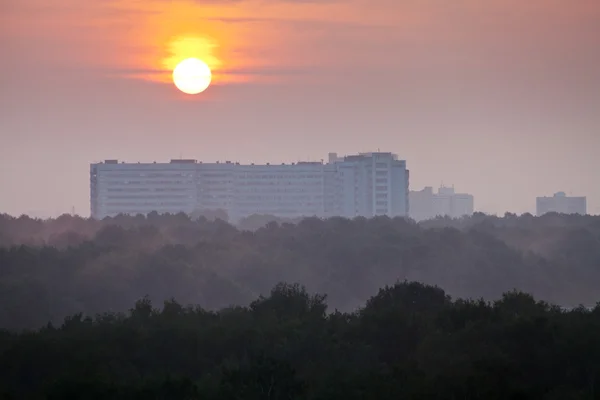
<point>366,184</point>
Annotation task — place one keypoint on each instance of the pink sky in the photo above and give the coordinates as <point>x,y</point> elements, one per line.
<point>499,97</point>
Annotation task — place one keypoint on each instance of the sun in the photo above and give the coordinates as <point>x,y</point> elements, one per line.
<point>192,76</point>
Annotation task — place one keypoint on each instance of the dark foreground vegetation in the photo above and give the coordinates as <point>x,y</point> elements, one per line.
<point>410,341</point>
<point>55,268</point>
<point>71,283</point>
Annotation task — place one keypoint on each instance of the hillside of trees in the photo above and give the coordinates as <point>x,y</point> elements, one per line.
<point>51,269</point>
<point>409,341</point>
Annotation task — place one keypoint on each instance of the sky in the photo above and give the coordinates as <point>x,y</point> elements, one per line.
<point>500,98</point>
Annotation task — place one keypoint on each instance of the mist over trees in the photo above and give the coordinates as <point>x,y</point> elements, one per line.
<point>184,308</point>
<point>51,269</point>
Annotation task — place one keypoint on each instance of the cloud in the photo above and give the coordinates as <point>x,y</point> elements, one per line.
<point>233,2</point>
<point>274,1</point>
<point>265,71</point>
<point>303,24</point>
<point>238,20</point>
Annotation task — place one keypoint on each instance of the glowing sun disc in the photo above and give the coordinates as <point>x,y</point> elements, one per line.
<point>192,76</point>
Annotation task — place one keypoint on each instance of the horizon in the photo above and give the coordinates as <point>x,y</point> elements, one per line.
<point>41,215</point>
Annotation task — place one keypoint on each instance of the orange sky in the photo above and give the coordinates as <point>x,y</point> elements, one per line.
<point>148,38</point>
<point>496,96</point>
<point>238,37</point>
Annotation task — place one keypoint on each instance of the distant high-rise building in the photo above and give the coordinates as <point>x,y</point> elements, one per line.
<point>360,185</point>
<point>421,204</point>
<point>368,184</point>
<point>561,203</point>
<point>425,204</point>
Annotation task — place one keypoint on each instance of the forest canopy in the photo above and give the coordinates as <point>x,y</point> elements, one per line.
<point>50,269</point>
<point>170,307</point>
<point>409,341</point>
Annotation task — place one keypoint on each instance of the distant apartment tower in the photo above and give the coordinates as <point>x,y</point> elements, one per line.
<point>370,184</point>
<point>562,204</point>
<point>421,204</point>
<point>366,184</point>
<point>425,204</point>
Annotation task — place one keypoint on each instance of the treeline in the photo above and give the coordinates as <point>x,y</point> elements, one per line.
<point>50,269</point>
<point>409,341</point>
<point>68,230</point>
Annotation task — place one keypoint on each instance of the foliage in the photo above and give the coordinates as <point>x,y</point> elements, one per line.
<point>389,334</point>
<point>55,268</point>
<point>409,341</point>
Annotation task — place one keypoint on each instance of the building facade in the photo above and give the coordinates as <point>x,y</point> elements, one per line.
<point>142,188</point>
<point>289,190</point>
<point>369,184</point>
<point>366,184</point>
<point>562,204</point>
<point>425,204</point>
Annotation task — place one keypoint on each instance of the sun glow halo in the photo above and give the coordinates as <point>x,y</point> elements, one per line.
<point>192,76</point>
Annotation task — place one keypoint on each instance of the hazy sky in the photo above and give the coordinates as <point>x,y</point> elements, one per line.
<point>499,97</point>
